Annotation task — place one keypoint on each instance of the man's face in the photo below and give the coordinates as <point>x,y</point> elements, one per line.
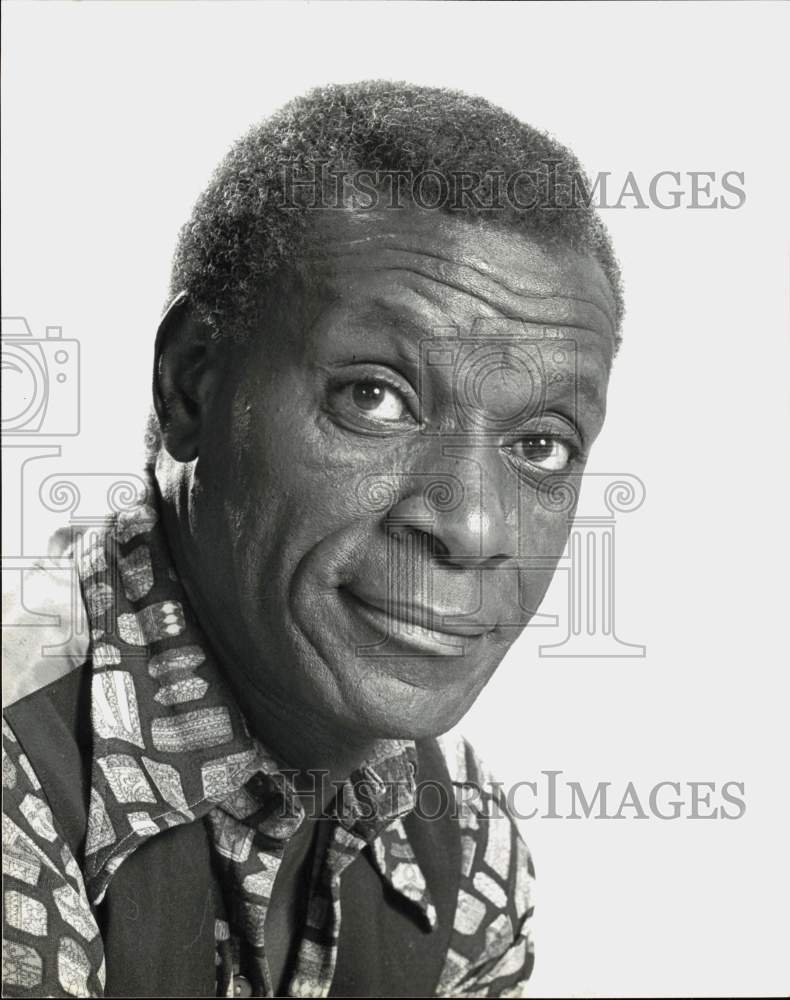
<point>368,527</point>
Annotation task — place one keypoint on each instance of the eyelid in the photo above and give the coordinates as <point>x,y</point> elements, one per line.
<point>556,425</point>
<point>524,466</point>
<point>371,372</point>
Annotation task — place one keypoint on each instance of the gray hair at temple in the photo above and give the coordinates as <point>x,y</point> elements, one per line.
<point>249,228</point>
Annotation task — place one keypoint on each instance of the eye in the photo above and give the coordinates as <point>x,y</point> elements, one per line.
<point>378,399</point>
<point>551,454</point>
<point>373,403</point>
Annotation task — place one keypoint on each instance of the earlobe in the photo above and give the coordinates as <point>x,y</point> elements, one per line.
<point>183,378</point>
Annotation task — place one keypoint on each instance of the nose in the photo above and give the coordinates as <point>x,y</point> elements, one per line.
<point>468,508</point>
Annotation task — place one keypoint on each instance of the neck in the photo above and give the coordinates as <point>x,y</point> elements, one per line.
<point>301,743</point>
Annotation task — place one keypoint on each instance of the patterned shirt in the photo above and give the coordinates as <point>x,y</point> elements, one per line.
<point>170,747</point>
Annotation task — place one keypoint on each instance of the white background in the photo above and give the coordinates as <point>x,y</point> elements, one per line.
<point>114,116</point>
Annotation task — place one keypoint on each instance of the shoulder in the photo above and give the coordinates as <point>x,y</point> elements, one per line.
<point>486,821</point>
<point>491,952</point>
<point>44,631</point>
<point>46,688</point>
<point>464,764</point>
<point>51,941</point>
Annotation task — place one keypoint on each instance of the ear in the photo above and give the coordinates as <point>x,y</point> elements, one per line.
<point>186,373</point>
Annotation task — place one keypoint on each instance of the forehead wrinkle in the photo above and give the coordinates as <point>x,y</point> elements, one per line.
<point>465,274</point>
<point>548,309</point>
<point>486,271</point>
<point>430,297</point>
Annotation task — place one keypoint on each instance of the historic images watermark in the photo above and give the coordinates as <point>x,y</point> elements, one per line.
<point>321,185</point>
<point>549,795</point>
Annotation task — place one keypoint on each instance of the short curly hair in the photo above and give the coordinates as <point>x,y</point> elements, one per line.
<point>240,232</point>
<point>248,227</point>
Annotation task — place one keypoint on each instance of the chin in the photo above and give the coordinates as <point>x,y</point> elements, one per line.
<point>385,686</point>
<point>389,707</point>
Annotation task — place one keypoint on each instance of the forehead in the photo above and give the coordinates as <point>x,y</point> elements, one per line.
<point>435,264</point>
<point>391,282</point>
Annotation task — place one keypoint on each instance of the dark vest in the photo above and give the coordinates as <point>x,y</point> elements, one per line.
<point>157,917</point>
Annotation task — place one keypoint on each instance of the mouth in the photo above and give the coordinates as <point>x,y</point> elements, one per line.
<point>414,626</point>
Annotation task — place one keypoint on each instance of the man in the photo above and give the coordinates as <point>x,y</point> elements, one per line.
<point>388,347</point>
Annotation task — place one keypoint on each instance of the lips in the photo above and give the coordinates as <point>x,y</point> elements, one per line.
<point>411,619</point>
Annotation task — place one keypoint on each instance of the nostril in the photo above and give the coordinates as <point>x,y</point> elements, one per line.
<point>438,549</point>
<point>464,561</point>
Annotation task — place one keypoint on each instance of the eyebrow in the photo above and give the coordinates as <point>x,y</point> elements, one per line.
<point>411,326</point>
<point>396,318</point>
<point>591,390</point>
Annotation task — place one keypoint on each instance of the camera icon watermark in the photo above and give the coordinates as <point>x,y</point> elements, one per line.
<point>501,373</point>
<point>41,381</point>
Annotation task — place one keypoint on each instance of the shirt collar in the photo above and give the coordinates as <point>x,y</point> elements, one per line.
<point>170,742</point>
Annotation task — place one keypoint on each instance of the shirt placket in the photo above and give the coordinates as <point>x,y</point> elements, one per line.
<point>251,854</point>
<point>317,955</point>
<point>244,955</point>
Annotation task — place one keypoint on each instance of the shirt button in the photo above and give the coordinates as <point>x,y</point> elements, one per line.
<point>241,986</point>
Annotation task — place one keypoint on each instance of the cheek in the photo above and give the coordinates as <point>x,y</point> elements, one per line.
<point>543,517</point>
<point>543,536</point>
<point>279,487</point>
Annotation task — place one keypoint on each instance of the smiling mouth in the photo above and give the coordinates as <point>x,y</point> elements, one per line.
<point>407,625</point>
